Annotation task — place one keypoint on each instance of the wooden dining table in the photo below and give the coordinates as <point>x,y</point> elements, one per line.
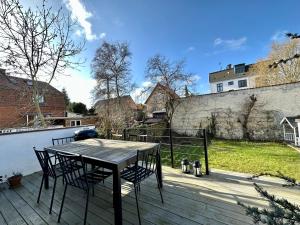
<point>114,155</point>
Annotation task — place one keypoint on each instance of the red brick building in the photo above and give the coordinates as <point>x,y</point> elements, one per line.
<point>16,103</point>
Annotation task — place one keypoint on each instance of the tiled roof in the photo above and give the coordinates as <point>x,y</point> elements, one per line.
<point>164,88</point>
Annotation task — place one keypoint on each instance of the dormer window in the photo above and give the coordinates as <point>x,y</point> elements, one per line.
<point>240,68</point>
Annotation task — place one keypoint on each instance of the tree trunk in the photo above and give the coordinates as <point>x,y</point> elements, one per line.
<point>37,104</point>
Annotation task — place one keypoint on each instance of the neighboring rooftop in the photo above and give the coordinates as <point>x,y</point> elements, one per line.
<point>160,87</point>
<point>8,81</point>
<point>231,72</point>
<point>126,99</point>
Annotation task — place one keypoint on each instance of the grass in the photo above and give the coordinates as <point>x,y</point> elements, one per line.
<point>243,156</point>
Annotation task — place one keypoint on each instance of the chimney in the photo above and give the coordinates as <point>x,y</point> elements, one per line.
<point>228,66</point>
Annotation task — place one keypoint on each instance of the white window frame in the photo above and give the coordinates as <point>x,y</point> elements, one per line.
<point>75,123</point>
<point>219,87</point>
<point>240,81</point>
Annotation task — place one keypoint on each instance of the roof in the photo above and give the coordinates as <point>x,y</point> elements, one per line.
<point>291,121</point>
<point>126,99</point>
<point>229,74</point>
<point>9,82</point>
<point>164,88</point>
<point>153,120</point>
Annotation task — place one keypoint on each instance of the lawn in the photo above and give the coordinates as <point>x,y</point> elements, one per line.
<point>244,156</point>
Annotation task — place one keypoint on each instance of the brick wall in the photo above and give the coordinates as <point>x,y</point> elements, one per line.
<point>16,102</point>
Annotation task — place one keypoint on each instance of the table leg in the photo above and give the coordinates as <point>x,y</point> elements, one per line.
<point>117,198</point>
<point>46,184</point>
<point>159,170</point>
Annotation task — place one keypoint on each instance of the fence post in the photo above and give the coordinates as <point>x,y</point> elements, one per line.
<point>171,145</point>
<point>205,151</point>
<point>124,134</point>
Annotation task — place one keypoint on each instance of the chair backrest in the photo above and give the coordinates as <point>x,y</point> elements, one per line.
<point>73,170</point>
<point>45,162</point>
<point>63,140</point>
<point>146,163</point>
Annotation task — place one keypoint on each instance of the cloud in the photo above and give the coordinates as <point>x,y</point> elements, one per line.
<point>230,44</point>
<point>102,35</point>
<point>80,13</point>
<point>77,85</point>
<point>279,36</point>
<point>190,49</point>
<point>195,78</point>
<point>117,22</point>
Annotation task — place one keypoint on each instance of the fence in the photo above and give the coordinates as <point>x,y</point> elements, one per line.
<point>188,143</point>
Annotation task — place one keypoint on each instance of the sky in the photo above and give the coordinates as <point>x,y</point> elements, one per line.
<point>208,34</point>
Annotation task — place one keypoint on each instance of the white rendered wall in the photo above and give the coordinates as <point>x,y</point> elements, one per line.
<point>235,86</point>
<point>16,153</point>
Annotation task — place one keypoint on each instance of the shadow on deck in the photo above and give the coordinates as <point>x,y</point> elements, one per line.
<point>188,200</point>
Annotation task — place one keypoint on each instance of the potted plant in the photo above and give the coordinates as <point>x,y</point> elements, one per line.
<point>15,180</point>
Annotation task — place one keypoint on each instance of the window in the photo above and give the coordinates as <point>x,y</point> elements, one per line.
<point>220,87</point>
<point>240,68</point>
<point>230,83</point>
<point>74,123</point>
<point>41,99</point>
<point>242,83</point>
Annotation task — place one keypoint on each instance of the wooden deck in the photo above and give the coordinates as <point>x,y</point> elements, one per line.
<point>188,201</point>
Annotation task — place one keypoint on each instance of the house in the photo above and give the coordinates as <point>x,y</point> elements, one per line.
<point>16,102</point>
<point>291,129</point>
<point>156,101</point>
<point>123,110</point>
<point>232,78</point>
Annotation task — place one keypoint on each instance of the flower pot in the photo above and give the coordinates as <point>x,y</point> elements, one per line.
<point>14,181</point>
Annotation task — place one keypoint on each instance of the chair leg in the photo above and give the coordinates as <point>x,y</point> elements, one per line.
<point>62,203</point>
<point>53,192</point>
<point>137,204</point>
<point>38,200</point>
<point>86,206</point>
<point>159,188</point>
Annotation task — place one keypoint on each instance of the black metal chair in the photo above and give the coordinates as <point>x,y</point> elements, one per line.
<point>75,174</point>
<point>49,169</point>
<point>90,168</point>
<point>143,168</point>
<point>63,140</point>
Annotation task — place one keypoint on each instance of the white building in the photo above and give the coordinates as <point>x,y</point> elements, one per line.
<point>232,78</point>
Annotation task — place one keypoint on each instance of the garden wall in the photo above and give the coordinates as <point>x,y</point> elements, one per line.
<point>16,153</point>
<point>233,115</point>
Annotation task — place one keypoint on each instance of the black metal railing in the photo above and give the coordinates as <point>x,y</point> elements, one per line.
<point>176,144</point>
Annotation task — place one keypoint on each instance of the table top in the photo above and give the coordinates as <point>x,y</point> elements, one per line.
<point>109,151</point>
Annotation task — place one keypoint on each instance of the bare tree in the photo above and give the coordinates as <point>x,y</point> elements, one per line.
<point>111,70</point>
<point>36,43</point>
<point>171,75</point>
<point>281,66</point>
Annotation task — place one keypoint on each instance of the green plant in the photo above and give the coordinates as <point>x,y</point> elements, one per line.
<point>17,174</point>
<point>281,211</point>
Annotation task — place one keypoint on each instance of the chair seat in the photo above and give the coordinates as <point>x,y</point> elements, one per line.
<point>134,174</point>
<point>97,175</point>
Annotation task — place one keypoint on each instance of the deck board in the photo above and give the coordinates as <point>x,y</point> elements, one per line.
<point>188,200</point>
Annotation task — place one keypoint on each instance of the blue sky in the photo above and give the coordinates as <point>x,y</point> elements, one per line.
<point>208,34</point>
